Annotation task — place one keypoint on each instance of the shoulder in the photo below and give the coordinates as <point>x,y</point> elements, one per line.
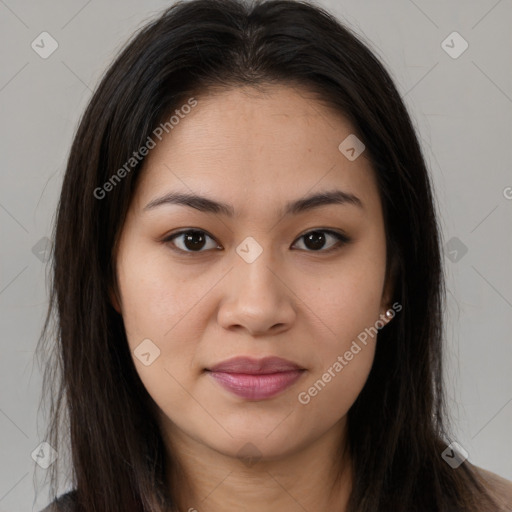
<point>499,488</point>
<point>64,503</point>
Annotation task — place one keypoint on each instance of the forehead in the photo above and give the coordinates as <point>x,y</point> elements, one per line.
<point>259,146</point>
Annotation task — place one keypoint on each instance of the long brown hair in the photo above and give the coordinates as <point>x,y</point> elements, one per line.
<point>397,426</point>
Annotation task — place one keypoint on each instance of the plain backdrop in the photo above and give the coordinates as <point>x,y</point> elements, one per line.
<point>461,104</point>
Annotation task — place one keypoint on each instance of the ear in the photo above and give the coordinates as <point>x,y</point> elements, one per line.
<point>113,288</point>
<point>386,295</point>
<point>114,298</point>
<point>389,285</point>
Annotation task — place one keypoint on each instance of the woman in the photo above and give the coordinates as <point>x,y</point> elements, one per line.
<point>248,280</point>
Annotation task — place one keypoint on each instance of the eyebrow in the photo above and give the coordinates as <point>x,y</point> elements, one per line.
<point>208,205</point>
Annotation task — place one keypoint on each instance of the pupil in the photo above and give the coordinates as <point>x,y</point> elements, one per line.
<point>317,238</point>
<point>194,240</point>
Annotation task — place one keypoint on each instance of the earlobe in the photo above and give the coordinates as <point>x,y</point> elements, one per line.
<point>114,299</point>
<point>388,312</point>
<point>388,292</point>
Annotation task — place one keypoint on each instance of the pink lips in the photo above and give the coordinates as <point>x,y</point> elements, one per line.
<point>256,379</point>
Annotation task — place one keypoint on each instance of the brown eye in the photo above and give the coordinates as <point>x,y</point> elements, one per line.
<point>195,241</point>
<point>315,241</point>
<point>192,240</point>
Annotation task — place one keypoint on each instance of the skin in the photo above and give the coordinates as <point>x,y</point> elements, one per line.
<point>256,151</point>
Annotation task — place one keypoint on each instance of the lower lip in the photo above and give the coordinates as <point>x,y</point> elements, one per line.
<point>256,386</point>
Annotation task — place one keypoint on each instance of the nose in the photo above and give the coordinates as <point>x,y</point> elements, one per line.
<point>257,299</point>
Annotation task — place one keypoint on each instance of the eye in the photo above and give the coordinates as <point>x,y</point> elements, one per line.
<point>192,240</point>
<point>316,240</point>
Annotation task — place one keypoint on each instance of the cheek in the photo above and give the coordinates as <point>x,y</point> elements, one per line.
<point>327,396</point>
<point>163,306</point>
<point>344,348</point>
<point>347,301</point>
<point>349,305</point>
<point>156,297</point>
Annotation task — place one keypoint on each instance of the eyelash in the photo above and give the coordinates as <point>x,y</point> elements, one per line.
<point>342,240</point>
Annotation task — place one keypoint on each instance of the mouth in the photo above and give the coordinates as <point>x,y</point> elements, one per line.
<point>256,379</point>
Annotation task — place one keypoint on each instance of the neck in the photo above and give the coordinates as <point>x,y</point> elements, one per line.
<point>316,477</point>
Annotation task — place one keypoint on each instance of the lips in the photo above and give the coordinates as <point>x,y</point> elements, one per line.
<point>256,379</point>
<point>252,366</point>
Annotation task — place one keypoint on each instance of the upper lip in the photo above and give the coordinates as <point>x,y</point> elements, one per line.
<point>250,365</point>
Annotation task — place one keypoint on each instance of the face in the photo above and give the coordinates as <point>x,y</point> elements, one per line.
<point>199,284</point>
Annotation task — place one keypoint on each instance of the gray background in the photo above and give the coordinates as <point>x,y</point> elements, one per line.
<point>462,108</point>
